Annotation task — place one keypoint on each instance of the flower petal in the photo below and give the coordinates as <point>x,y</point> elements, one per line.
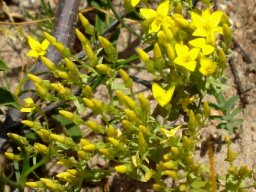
<point>197,20</point>
<point>193,53</point>
<point>134,2</point>
<point>32,53</point>
<point>162,97</point>
<point>147,13</point>
<point>207,49</point>
<point>201,32</point>
<point>33,43</point>
<point>45,44</point>
<point>207,66</point>
<point>191,65</point>
<point>215,18</point>
<point>163,8</point>
<point>181,50</point>
<point>198,42</point>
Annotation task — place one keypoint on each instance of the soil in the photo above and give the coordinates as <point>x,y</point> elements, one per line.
<point>241,74</point>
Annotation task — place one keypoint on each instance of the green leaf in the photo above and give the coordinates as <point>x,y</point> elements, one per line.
<point>229,104</point>
<point>7,98</point>
<point>3,66</point>
<point>198,184</point>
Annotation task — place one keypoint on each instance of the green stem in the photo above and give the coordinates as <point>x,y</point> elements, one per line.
<point>121,20</point>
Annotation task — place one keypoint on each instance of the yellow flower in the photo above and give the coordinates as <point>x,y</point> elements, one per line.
<point>155,19</point>
<point>201,43</point>
<point>207,66</point>
<point>162,96</point>
<point>170,133</point>
<point>134,2</point>
<point>29,105</point>
<point>37,49</point>
<point>186,57</point>
<point>207,24</point>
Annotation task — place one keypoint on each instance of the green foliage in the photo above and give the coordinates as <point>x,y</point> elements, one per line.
<point>228,119</point>
<point>147,142</point>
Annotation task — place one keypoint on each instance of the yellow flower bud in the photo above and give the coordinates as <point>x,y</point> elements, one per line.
<point>59,87</point>
<point>142,55</point>
<point>63,74</point>
<point>81,37</point>
<point>104,151</point>
<point>41,91</point>
<point>87,91</point>
<point>49,37</point>
<point>169,165</point>
<point>92,124</point>
<point>32,184</point>
<point>121,96</point>
<point>28,123</point>
<point>9,155</point>
<point>227,33</point>
<point>181,20</point>
<point>104,42</point>
<point>178,8</point>
<point>48,63</point>
<point>175,150</point>
<point>44,134</point>
<point>127,125</point>
<point>143,129</point>
<point>29,105</point>
<point>89,147</point>
<point>92,57</point>
<point>65,176</point>
<point>66,114</point>
<point>97,104</point>
<point>111,131</point>
<point>103,68</point>
<point>59,138</point>
<point>83,20</point>
<point>131,115</point>
<point>170,173</point>
<point>170,51</point>
<point>17,138</point>
<point>34,78</point>
<point>222,58</point>
<point>157,51</point>
<point>142,143</point>
<point>84,142</point>
<point>149,174</point>
<point>70,65</point>
<point>192,120</point>
<point>167,32</point>
<point>206,109</point>
<point>121,168</point>
<point>41,148</point>
<point>129,102</point>
<point>59,46</point>
<point>126,78</point>
<point>114,141</point>
<point>244,171</point>
<point>162,39</point>
<point>53,185</point>
<point>144,103</point>
<point>88,103</point>
<point>82,154</point>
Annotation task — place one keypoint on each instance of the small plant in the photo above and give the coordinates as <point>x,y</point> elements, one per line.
<point>133,137</point>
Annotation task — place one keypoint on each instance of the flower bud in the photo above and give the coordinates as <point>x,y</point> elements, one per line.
<point>114,141</point>
<point>92,57</point>
<point>40,148</point>
<point>142,55</point>
<point>59,138</point>
<point>88,103</point>
<point>227,34</point>
<point>52,185</point>
<point>82,154</point>
<point>28,123</point>
<point>192,121</point>
<point>81,37</point>
<point>104,42</point>
<point>34,78</point>
<point>170,173</point>
<point>126,78</point>
<point>111,131</point>
<point>66,114</point>
<point>167,32</point>
<point>121,168</point>
<point>157,51</point>
<point>49,37</point>
<point>48,63</point>
<point>17,138</point>
<point>244,172</point>
<point>32,184</point>
<point>63,74</point>
<point>144,103</point>
<point>222,58</point>
<point>121,97</point>
<point>162,39</point>
<point>206,109</point>
<point>170,51</point>
<point>83,20</point>
<point>89,147</point>
<point>104,69</point>
<point>12,156</point>
<point>127,125</point>
<point>129,102</point>
<point>169,165</point>
<point>142,144</point>
<point>40,90</point>
<point>59,88</point>
<point>149,174</point>
<point>44,134</point>
<point>70,65</point>
<point>87,91</point>
<point>182,187</point>
<point>158,187</point>
<point>131,115</point>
